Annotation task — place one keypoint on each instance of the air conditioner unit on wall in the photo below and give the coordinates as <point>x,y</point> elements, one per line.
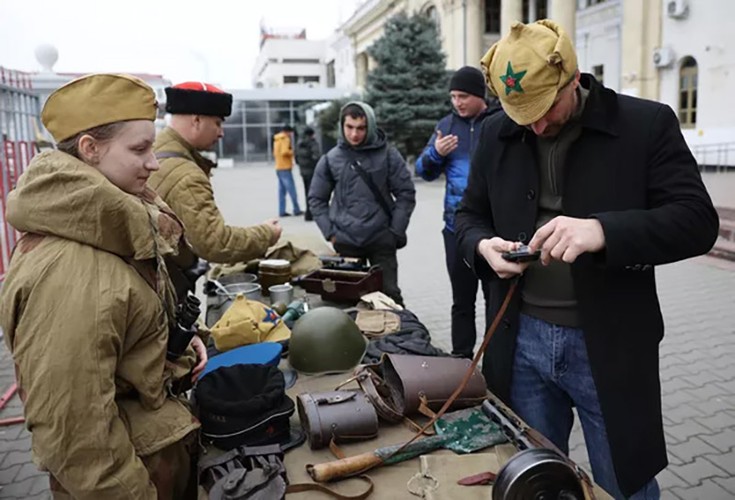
<point>677,9</point>
<point>663,57</point>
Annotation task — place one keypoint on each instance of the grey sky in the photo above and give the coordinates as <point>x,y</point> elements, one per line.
<point>211,40</point>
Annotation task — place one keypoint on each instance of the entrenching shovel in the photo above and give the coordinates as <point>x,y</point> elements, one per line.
<point>462,431</point>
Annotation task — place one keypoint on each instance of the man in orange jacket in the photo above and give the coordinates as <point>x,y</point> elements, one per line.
<point>283,154</point>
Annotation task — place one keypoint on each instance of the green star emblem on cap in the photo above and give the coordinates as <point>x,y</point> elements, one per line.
<point>512,80</point>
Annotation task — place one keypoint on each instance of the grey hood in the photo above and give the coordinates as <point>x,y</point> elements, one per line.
<point>374,137</point>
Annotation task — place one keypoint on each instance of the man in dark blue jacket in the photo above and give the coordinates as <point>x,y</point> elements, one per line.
<point>449,151</point>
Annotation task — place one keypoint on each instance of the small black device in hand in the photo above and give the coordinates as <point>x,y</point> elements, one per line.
<point>523,254</point>
<point>182,330</point>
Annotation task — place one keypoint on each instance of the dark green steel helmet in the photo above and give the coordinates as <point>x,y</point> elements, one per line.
<point>325,340</point>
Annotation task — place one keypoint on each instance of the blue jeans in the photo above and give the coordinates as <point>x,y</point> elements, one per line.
<point>286,184</point>
<point>551,374</point>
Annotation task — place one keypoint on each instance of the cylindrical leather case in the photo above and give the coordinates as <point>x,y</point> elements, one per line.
<point>436,378</point>
<point>339,415</point>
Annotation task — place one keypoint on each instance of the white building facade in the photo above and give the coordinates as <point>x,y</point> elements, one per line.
<point>678,52</point>
<point>675,51</point>
<point>697,75</point>
<point>466,28</point>
<point>598,40</point>
<point>340,59</point>
<point>284,62</point>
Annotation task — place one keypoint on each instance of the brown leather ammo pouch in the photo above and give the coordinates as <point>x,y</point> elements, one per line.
<point>339,415</point>
<point>411,379</point>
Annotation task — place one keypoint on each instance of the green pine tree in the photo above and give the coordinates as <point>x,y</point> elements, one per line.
<point>408,88</point>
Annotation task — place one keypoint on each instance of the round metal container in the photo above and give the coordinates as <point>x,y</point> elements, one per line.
<point>218,303</point>
<point>273,272</point>
<point>537,474</point>
<point>238,278</point>
<point>247,289</point>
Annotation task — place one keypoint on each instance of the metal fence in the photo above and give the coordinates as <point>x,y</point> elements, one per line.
<point>715,157</point>
<point>19,115</point>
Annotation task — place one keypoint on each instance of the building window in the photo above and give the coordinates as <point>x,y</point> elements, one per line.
<point>599,72</point>
<point>688,76</point>
<point>290,79</point>
<point>492,16</point>
<point>311,79</point>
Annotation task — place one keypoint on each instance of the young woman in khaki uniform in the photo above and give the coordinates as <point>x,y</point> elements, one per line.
<point>87,302</point>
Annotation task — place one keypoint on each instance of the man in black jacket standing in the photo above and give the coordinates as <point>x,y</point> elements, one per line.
<point>362,195</point>
<point>449,152</point>
<point>605,187</point>
<point>307,154</point>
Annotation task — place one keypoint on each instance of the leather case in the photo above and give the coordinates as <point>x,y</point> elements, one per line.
<point>339,415</point>
<point>342,286</point>
<point>409,378</point>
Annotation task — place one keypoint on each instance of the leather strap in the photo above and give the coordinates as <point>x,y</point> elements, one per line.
<point>468,374</point>
<point>369,381</point>
<point>478,479</point>
<point>301,487</point>
<point>355,165</point>
<point>424,407</point>
<point>336,450</point>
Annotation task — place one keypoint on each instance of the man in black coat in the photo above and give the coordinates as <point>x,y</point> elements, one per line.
<point>307,154</point>
<point>606,188</point>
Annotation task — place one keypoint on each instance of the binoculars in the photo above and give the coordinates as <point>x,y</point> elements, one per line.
<point>182,329</point>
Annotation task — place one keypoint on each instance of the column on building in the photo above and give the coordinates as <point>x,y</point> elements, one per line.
<point>510,12</point>
<point>452,30</point>
<point>462,29</point>
<point>475,31</point>
<point>641,34</point>
<point>361,69</point>
<point>564,13</point>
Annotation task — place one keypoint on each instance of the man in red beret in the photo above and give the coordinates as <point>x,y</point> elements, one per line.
<point>197,113</point>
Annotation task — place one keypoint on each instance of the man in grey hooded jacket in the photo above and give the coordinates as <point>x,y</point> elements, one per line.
<point>372,195</point>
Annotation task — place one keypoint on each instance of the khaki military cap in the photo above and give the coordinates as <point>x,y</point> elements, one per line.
<point>528,66</point>
<point>94,100</point>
